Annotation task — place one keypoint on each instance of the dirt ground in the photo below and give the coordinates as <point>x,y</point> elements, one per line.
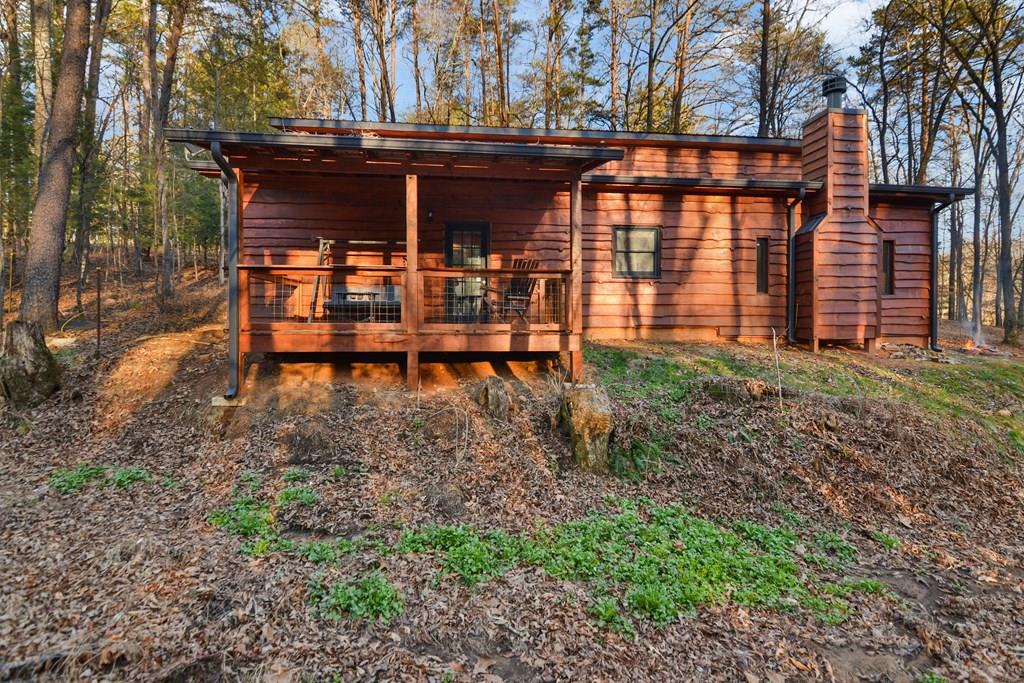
<point>135,583</point>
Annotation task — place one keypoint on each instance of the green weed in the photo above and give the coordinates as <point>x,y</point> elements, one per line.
<point>296,495</point>
<point>125,477</point>
<point>889,542</point>
<point>372,598</point>
<point>293,474</point>
<point>71,480</point>
<point>832,551</point>
<point>931,677</point>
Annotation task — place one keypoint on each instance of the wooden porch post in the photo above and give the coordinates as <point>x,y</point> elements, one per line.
<point>241,278</point>
<point>576,277</point>
<point>412,290</point>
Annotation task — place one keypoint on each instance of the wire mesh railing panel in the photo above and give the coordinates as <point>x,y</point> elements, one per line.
<point>325,298</point>
<point>519,300</point>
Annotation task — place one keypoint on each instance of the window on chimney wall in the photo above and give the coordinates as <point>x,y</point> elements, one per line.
<point>888,267</point>
<point>762,265</point>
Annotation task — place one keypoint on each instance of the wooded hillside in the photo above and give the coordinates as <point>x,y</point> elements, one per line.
<point>87,87</point>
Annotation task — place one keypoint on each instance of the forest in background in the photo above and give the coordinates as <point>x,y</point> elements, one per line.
<point>87,87</point>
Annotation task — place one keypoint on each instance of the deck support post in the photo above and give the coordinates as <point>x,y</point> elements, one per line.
<point>413,289</point>
<point>576,276</point>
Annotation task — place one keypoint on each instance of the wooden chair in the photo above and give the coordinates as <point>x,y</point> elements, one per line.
<point>516,296</point>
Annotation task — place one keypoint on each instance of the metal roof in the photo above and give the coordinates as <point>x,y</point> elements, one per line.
<point>574,136</point>
<point>767,184</point>
<point>933,192</point>
<point>358,143</point>
<point>811,223</point>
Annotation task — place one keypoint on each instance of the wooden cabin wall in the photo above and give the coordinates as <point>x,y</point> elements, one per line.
<point>804,290</point>
<point>705,163</point>
<point>905,313</point>
<point>284,215</point>
<point>708,284</point>
<point>527,219</point>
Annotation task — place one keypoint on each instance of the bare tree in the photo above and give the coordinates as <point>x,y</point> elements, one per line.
<point>46,244</point>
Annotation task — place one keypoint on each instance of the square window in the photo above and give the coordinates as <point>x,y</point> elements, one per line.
<point>637,251</point>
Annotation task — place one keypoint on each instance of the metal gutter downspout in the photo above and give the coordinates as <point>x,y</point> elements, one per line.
<point>230,180</point>
<point>933,290</point>
<point>791,267</point>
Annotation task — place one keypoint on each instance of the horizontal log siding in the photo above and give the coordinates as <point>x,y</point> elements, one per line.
<point>284,216</point>
<point>847,244</point>
<point>705,163</point>
<point>804,255</point>
<point>708,265</point>
<point>905,313</point>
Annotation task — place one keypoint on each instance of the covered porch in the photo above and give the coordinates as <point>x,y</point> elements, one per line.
<point>360,244</point>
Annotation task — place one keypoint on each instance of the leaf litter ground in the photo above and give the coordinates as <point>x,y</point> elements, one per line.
<point>337,526</point>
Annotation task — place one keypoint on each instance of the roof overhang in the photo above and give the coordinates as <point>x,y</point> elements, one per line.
<point>546,135</point>
<point>920,192</point>
<point>745,185</point>
<point>261,149</point>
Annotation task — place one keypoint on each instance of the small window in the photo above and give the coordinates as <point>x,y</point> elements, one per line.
<point>888,267</point>
<point>762,265</point>
<point>637,252</point>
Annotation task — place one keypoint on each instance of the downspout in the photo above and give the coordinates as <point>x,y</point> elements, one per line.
<point>791,266</point>
<point>933,290</point>
<point>230,181</point>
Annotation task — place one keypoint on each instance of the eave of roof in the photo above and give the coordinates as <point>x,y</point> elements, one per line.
<point>752,184</point>
<point>932,192</point>
<point>574,154</point>
<point>549,135</point>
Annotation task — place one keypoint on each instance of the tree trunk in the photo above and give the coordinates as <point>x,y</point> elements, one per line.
<point>613,65</point>
<point>46,246</point>
<point>357,38</point>
<point>87,147</point>
<point>160,113</point>
<point>42,19</point>
<point>762,70</point>
<point>417,79</point>
<point>652,28</point>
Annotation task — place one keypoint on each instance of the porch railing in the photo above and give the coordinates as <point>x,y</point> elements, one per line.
<point>494,298</point>
<point>337,296</point>
<point>373,298</point>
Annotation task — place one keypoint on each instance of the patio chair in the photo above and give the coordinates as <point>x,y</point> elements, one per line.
<point>516,296</point>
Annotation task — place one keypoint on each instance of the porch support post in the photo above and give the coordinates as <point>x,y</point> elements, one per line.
<point>412,291</point>
<point>576,277</point>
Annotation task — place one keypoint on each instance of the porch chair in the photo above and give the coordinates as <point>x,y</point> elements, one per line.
<point>516,296</point>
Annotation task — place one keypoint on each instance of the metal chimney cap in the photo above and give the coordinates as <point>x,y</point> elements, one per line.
<point>833,84</point>
<point>833,88</point>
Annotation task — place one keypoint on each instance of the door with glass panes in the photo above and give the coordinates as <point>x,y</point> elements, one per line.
<point>467,246</point>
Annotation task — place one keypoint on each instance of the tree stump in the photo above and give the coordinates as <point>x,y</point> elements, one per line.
<point>493,395</point>
<point>29,373</point>
<point>586,415</point>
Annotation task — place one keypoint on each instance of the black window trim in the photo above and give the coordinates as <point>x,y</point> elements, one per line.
<point>762,276</point>
<point>657,253</point>
<point>888,267</point>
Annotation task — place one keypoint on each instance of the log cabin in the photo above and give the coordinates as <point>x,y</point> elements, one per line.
<point>418,239</point>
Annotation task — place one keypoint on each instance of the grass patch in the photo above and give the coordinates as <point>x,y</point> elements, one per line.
<point>296,495</point>
<point>931,677</point>
<point>654,563</point>
<point>832,551</point>
<point>372,598</point>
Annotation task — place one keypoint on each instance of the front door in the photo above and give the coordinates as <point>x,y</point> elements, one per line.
<point>467,246</point>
